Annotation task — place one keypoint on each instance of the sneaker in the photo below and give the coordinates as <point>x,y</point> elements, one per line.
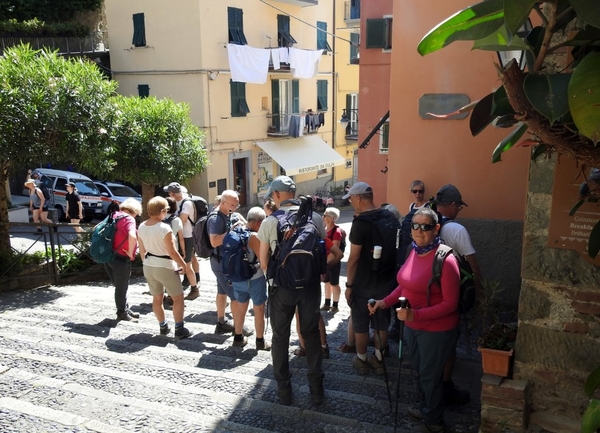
<point>415,413</point>
<point>263,345</point>
<point>454,395</point>
<point>194,293</point>
<point>247,332</point>
<point>125,317</point>
<point>133,314</point>
<point>376,365</point>
<point>423,427</point>
<point>334,310</point>
<point>285,394</point>
<point>325,308</point>
<point>240,343</point>
<point>182,332</point>
<point>347,348</point>
<point>325,351</point>
<point>224,328</point>
<point>300,351</point>
<point>361,367</point>
<point>164,330</point>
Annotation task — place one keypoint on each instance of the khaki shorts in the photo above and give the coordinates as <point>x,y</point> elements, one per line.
<point>161,279</point>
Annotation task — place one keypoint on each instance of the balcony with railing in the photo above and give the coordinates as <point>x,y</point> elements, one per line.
<point>349,122</point>
<point>352,12</point>
<point>301,3</point>
<point>288,124</point>
<point>89,45</point>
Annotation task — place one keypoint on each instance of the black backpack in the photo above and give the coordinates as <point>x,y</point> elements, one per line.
<point>200,208</point>
<point>343,240</point>
<point>299,259</point>
<point>202,245</point>
<point>45,192</point>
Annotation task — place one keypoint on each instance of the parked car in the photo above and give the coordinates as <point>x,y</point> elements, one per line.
<point>112,191</point>
<point>56,182</point>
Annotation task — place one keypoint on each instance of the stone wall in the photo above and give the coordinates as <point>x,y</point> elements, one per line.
<point>558,342</point>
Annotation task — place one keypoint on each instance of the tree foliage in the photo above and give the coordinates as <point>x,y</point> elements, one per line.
<point>45,10</point>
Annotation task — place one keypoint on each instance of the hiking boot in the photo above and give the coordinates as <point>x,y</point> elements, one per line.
<point>415,413</point>
<point>194,293</point>
<point>164,330</point>
<point>224,328</point>
<point>182,332</point>
<point>133,314</point>
<point>126,317</point>
<point>334,310</point>
<point>240,343</point>
<point>454,395</point>
<point>325,308</point>
<point>347,348</point>
<point>317,393</point>
<point>167,301</point>
<point>423,427</point>
<point>263,345</point>
<point>285,394</point>
<point>361,367</point>
<point>325,351</point>
<point>247,332</point>
<point>376,365</point>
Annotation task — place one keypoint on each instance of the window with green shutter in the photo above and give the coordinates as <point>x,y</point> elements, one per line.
<point>284,38</point>
<point>139,30</point>
<point>239,106</point>
<point>236,26</point>
<point>384,140</point>
<point>322,95</point>
<point>143,90</point>
<point>285,96</point>
<point>322,43</point>
<point>354,48</point>
<point>379,33</point>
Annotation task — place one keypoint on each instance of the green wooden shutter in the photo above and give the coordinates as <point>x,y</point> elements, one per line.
<point>235,22</point>
<point>139,30</point>
<point>322,43</point>
<point>376,33</point>
<point>322,94</point>
<point>284,38</point>
<point>235,99</point>
<point>143,90</point>
<point>348,112</point>
<point>295,96</point>
<point>275,104</point>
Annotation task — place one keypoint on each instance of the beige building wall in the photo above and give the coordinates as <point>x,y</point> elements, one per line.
<point>186,59</point>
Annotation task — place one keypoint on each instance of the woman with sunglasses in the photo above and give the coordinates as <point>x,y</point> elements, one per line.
<point>162,265</point>
<point>417,189</point>
<point>431,318</point>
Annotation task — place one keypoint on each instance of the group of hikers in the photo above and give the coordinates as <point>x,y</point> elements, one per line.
<point>283,251</point>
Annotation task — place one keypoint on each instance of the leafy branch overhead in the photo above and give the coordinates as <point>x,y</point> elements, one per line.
<point>558,104</point>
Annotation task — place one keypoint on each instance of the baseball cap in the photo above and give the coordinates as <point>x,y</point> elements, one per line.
<point>71,184</point>
<point>173,187</point>
<point>450,194</point>
<point>281,184</point>
<point>357,189</point>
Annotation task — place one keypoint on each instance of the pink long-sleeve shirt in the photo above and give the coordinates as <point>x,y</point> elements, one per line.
<point>442,312</point>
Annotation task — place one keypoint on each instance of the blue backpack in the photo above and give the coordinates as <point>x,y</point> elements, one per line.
<point>101,248</point>
<point>234,258</point>
<point>299,259</point>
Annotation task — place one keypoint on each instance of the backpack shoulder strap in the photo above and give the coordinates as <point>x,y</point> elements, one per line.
<point>436,269</point>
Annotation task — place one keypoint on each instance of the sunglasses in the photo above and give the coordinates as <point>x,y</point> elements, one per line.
<point>417,191</point>
<point>424,227</point>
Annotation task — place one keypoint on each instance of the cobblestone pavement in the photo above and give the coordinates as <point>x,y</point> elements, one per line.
<point>67,366</point>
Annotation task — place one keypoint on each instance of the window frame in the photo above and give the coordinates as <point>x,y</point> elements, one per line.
<point>239,105</point>
<point>235,24</point>
<point>379,33</point>
<point>143,90</point>
<point>322,95</point>
<point>355,49</point>
<point>284,37</point>
<point>139,30</point>
<point>291,102</point>
<point>322,43</point>
<point>384,137</point>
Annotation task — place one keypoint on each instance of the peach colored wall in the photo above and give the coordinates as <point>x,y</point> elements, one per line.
<point>443,151</point>
<point>373,100</point>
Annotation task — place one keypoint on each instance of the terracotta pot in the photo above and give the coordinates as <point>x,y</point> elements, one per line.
<point>496,362</point>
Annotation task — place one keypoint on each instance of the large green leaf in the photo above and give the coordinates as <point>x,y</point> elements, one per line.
<point>584,96</point>
<point>594,241</point>
<point>501,106</point>
<point>481,116</point>
<point>592,382</point>
<point>500,40</point>
<point>516,12</point>
<point>508,142</point>
<point>548,94</point>
<point>472,23</point>
<point>588,10</point>
<point>590,422</point>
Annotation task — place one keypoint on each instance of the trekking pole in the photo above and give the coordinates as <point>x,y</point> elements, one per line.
<point>385,375</point>
<point>403,304</point>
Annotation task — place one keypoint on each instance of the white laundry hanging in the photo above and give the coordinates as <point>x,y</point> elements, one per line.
<point>304,63</point>
<point>248,64</point>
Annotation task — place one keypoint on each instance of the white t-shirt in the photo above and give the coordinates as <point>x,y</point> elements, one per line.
<point>188,209</point>
<point>153,239</point>
<point>457,238</point>
<point>177,226</point>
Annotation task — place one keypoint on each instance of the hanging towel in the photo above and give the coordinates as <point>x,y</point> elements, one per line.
<point>248,64</point>
<point>275,59</point>
<point>304,63</point>
<point>284,55</point>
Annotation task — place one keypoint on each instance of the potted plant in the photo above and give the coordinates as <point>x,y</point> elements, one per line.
<point>497,347</point>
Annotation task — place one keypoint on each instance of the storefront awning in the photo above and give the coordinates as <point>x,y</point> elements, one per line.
<point>303,154</point>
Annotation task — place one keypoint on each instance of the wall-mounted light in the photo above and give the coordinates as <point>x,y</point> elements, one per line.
<point>519,55</point>
<point>344,119</point>
<point>213,75</point>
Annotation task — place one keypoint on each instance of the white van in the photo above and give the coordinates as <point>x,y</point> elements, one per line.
<point>56,182</point>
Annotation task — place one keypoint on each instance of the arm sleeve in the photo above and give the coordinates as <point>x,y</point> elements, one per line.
<point>450,293</point>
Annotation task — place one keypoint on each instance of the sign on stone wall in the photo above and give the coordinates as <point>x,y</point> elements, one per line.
<point>265,172</point>
<point>571,232</point>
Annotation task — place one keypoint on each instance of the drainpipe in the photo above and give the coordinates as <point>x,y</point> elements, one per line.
<point>334,90</point>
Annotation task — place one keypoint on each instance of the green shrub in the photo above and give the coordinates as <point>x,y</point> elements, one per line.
<point>38,28</point>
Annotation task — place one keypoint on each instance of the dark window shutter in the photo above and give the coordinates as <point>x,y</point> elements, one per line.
<point>143,90</point>
<point>235,23</point>
<point>295,96</point>
<point>235,99</point>
<point>322,43</point>
<point>322,94</point>
<point>376,33</point>
<point>284,38</point>
<point>139,30</point>
<point>275,103</point>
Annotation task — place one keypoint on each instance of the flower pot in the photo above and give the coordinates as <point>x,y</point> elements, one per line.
<point>496,362</point>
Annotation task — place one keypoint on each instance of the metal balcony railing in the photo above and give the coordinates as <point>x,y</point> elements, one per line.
<point>352,10</point>
<point>64,45</point>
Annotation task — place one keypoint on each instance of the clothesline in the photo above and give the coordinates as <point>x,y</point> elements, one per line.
<point>251,65</point>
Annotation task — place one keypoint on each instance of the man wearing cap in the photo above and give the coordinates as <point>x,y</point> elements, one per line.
<point>369,277</point>
<point>185,212</point>
<point>284,301</point>
<point>449,203</point>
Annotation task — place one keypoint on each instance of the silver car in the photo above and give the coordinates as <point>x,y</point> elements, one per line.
<point>111,191</point>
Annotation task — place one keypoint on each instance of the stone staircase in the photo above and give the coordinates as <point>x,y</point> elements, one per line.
<point>67,366</point>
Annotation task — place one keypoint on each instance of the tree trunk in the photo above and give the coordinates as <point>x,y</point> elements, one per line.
<point>4,232</point>
<point>147,194</point>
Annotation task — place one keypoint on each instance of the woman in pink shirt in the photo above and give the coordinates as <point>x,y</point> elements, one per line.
<point>431,319</point>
